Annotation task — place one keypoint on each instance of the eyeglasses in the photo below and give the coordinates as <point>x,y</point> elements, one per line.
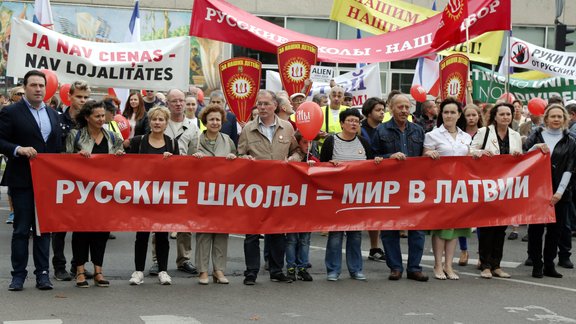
<point>352,122</point>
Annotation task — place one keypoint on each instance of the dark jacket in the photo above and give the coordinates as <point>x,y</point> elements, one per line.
<point>562,159</point>
<point>66,124</point>
<point>230,128</point>
<point>386,139</point>
<point>19,128</point>
<point>139,145</point>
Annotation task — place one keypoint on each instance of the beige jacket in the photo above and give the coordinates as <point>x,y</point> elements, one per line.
<point>252,142</point>
<point>86,143</point>
<point>492,141</point>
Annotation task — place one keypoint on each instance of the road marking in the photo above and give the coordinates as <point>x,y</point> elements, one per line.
<point>169,319</point>
<point>549,316</point>
<point>46,321</point>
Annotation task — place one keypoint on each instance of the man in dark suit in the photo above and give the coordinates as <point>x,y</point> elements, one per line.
<point>229,127</point>
<point>28,127</point>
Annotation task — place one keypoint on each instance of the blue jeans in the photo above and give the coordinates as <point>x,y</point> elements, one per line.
<point>333,258</point>
<point>297,250</point>
<point>391,243</point>
<point>24,219</point>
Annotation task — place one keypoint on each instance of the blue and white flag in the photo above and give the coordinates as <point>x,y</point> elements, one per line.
<point>43,14</point>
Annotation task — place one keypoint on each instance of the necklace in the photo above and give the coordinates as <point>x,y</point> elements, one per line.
<point>454,132</point>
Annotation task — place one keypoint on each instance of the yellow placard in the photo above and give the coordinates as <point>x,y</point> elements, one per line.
<point>382,16</point>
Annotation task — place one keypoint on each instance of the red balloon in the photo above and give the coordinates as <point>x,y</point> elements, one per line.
<point>536,106</point>
<point>51,83</point>
<point>309,119</point>
<point>65,93</point>
<point>200,96</point>
<point>123,125</point>
<point>507,97</point>
<point>418,93</point>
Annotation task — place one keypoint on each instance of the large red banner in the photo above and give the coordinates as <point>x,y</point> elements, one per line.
<point>185,194</point>
<point>219,20</point>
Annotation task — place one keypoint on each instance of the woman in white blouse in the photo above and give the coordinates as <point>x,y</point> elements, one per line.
<point>448,139</point>
<point>497,138</point>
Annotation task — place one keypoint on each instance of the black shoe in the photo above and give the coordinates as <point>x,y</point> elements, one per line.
<point>188,267</point>
<point>525,238</point>
<point>43,281</point>
<point>513,236</point>
<point>377,255</point>
<point>280,277</point>
<point>111,236</point>
<point>17,284</point>
<point>250,280</point>
<point>528,262</point>
<point>566,263</point>
<point>304,275</point>
<point>62,275</point>
<point>291,273</point>
<point>551,272</point>
<point>537,272</point>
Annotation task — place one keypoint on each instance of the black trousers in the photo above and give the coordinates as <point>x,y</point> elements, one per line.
<point>141,250</point>
<point>91,244</point>
<point>551,239</point>
<point>491,246</point>
<point>565,243</point>
<point>277,243</point>
<point>58,257</point>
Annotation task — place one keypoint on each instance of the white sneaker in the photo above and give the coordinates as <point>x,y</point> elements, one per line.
<point>137,278</point>
<point>164,278</point>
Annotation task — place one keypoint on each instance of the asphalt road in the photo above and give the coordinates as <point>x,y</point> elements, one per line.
<point>471,299</point>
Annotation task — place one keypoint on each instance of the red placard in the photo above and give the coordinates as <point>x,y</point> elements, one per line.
<point>453,76</point>
<point>106,193</point>
<point>294,61</point>
<point>240,79</point>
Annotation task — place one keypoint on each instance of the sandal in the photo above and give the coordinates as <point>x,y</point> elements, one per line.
<point>81,284</point>
<point>102,282</point>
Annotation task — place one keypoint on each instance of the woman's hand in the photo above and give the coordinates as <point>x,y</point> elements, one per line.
<point>248,157</point>
<point>84,154</point>
<point>119,153</point>
<point>378,159</point>
<point>231,156</point>
<point>126,143</point>
<point>555,198</point>
<point>516,154</point>
<point>479,153</point>
<point>335,162</point>
<point>433,154</point>
<point>311,162</point>
<point>543,147</point>
<point>167,155</point>
<point>398,156</point>
<point>198,155</point>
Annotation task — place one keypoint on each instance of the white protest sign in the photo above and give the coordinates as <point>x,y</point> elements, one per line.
<point>532,57</point>
<point>362,82</point>
<point>154,65</point>
<point>320,73</point>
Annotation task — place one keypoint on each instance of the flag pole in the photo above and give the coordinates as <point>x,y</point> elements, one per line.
<point>507,81</point>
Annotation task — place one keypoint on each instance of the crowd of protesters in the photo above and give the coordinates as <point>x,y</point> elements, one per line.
<point>179,123</point>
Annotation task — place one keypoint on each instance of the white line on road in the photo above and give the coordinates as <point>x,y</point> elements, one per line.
<point>169,319</point>
<point>46,321</point>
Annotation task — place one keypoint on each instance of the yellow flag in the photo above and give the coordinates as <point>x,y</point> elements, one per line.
<point>382,16</point>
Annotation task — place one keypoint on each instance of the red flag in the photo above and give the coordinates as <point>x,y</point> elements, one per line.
<point>449,27</point>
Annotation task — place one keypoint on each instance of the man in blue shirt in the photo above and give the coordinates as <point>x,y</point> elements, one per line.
<point>398,139</point>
